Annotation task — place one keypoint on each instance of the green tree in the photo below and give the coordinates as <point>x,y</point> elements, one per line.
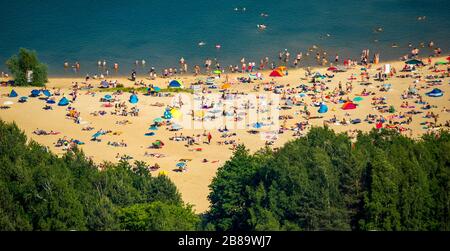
<point>158,216</point>
<point>26,61</point>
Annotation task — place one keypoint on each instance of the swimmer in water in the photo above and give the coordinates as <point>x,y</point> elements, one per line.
<point>218,46</point>
<point>261,26</point>
<point>394,45</point>
<point>264,14</point>
<point>201,43</point>
<point>143,62</point>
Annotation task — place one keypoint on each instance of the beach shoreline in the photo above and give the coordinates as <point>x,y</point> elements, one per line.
<point>193,184</point>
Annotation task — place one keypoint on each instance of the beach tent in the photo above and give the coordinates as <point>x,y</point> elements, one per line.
<point>348,106</point>
<point>276,73</point>
<point>176,84</point>
<point>35,93</point>
<point>63,102</point>
<point>323,108</point>
<point>225,86</point>
<point>134,99</point>
<point>13,94</point>
<point>46,93</point>
<point>435,93</point>
<point>414,62</point>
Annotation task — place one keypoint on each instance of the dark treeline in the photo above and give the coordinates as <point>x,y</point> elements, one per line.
<point>383,181</point>
<point>40,191</point>
<point>323,181</point>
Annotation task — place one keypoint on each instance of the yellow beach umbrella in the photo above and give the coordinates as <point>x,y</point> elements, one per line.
<point>200,114</point>
<point>162,173</point>
<point>281,68</point>
<point>225,86</point>
<point>175,113</point>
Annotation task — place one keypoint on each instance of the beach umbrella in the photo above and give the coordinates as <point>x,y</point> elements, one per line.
<point>302,95</point>
<point>440,63</point>
<point>162,173</point>
<point>156,89</point>
<point>96,135</point>
<point>435,93</point>
<point>281,68</point>
<point>217,72</point>
<point>349,106</point>
<point>448,58</point>
<point>181,164</point>
<point>150,134</point>
<point>23,99</point>
<point>158,120</point>
<point>50,101</point>
<point>357,99</point>
<point>257,125</point>
<point>107,97</point>
<point>414,62</point>
<point>332,68</point>
<point>276,73</point>
<point>225,86</point>
<point>176,127</point>
<point>47,93</point>
<point>176,84</point>
<point>175,113</point>
<point>104,84</point>
<point>153,128</point>
<point>13,94</point>
<point>8,103</point>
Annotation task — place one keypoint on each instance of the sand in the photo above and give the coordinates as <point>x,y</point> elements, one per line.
<point>194,183</point>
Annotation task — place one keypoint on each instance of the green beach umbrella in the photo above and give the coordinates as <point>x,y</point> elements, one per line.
<point>440,63</point>
<point>217,72</point>
<point>357,99</point>
<point>158,120</point>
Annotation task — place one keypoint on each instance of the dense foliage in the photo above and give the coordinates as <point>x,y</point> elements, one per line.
<point>40,191</point>
<point>383,181</point>
<point>324,181</point>
<point>25,61</point>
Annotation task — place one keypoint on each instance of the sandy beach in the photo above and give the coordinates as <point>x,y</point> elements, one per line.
<point>193,184</point>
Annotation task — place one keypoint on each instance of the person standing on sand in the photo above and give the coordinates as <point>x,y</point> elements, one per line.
<point>209,138</point>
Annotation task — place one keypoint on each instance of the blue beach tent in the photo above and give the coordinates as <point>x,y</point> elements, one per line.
<point>35,93</point>
<point>175,84</point>
<point>13,94</point>
<point>323,108</point>
<point>63,102</point>
<point>47,93</point>
<point>134,99</point>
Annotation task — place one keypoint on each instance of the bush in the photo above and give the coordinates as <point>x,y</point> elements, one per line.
<point>25,61</point>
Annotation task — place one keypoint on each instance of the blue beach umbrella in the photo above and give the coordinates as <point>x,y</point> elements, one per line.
<point>35,93</point>
<point>435,93</point>
<point>257,125</point>
<point>13,94</point>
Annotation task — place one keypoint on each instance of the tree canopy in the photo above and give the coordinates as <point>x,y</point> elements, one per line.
<point>25,61</point>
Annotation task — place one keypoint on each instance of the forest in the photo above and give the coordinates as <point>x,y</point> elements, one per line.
<point>382,181</point>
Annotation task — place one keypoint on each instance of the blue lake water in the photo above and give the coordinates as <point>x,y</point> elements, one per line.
<point>162,31</point>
